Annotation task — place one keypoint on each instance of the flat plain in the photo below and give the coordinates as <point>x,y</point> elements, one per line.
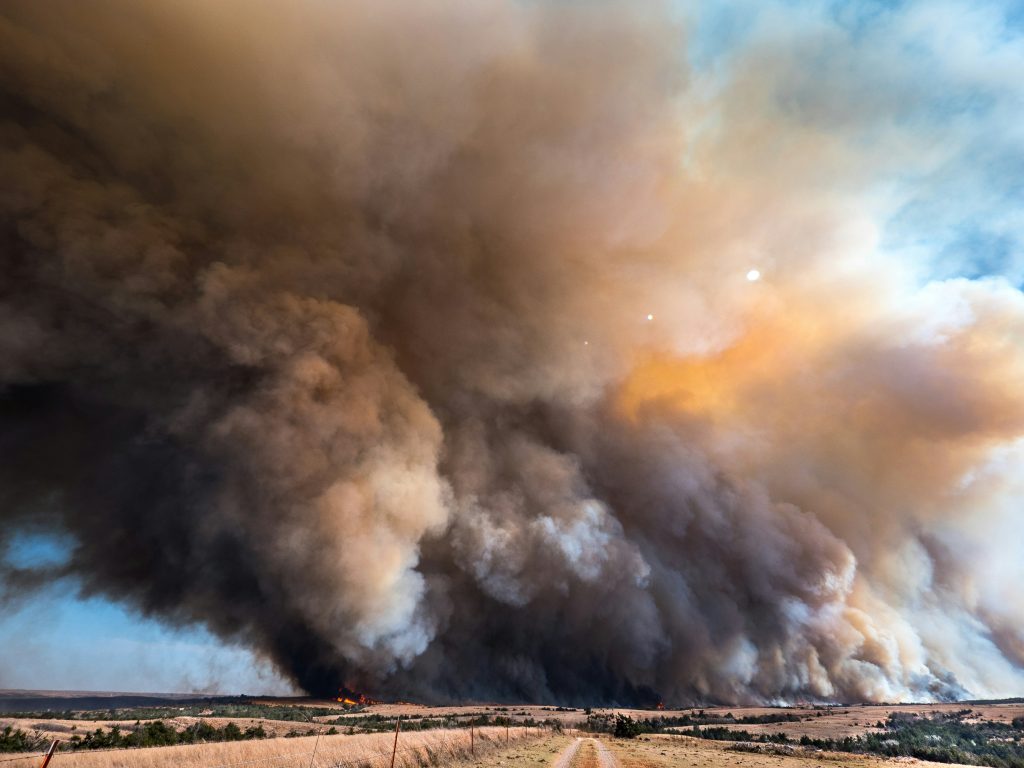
<point>539,736</point>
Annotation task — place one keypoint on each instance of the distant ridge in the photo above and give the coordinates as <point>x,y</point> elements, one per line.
<point>1016,700</point>
<point>56,701</point>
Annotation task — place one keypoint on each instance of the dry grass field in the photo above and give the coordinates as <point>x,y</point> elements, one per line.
<point>421,749</point>
<point>64,729</point>
<point>526,748</point>
<point>678,751</point>
<point>816,722</point>
<point>837,722</point>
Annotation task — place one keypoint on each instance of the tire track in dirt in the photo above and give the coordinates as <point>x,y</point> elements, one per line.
<point>568,756</point>
<point>605,758</point>
<point>586,753</point>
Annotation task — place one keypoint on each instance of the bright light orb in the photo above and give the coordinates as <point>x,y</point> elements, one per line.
<point>754,275</point>
<point>650,317</point>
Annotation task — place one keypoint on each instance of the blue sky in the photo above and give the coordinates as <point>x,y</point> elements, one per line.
<point>932,93</point>
<point>57,639</point>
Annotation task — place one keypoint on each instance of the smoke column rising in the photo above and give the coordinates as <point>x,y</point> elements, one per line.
<point>325,325</point>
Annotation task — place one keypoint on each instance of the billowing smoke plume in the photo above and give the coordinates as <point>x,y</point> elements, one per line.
<point>325,326</point>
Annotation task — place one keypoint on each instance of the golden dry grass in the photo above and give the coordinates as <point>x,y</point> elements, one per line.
<point>450,750</point>
<point>527,750</point>
<point>586,755</point>
<point>680,751</point>
<point>837,722</point>
<point>834,722</point>
<point>421,749</point>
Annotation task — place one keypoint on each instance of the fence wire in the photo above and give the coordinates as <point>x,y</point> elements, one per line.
<point>384,754</point>
<point>365,760</point>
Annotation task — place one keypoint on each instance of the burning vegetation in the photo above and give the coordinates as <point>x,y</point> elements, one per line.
<point>353,699</point>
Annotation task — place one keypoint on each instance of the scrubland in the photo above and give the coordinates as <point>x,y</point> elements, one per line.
<point>775,736</point>
<point>421,749</point>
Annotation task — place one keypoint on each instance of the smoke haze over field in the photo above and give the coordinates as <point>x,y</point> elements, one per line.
<point>325,326</point>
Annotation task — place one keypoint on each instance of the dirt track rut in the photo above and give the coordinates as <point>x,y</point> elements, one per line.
<point>568,756</point>
<point>605,756</point>
<point>586,753</point>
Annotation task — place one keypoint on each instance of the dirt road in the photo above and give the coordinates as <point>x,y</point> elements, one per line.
<point>586,753</point>
<point>605,756</point>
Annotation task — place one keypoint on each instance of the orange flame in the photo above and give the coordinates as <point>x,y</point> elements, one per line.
<point>352,699</point>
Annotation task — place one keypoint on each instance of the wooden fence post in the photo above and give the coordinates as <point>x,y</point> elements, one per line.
<point>49,754</point>
<point>472,741</point>
<point>394,749</point>
<point>316,744</point>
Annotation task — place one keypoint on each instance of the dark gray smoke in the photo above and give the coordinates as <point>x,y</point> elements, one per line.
<point>324,325</point>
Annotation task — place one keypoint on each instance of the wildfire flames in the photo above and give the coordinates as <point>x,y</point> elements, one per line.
<point>352,699</point>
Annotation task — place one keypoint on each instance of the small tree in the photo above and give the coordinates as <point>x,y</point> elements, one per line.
<point>626,727</point>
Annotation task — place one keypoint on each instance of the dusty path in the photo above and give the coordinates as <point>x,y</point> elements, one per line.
<point>604,756</point>
<point>568,756</point>
<point>586,753</point>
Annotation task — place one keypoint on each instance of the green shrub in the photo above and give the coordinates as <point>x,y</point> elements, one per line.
<point>626,727</point>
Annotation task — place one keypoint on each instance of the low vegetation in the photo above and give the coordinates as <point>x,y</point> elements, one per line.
<point>156,726</point>
<point>946,738</point>
<point>379,723</point>
<point>17,740</point>
<point>236,708</point>
<point>430,749</point>
<point>624,726</point>
<point>150,734</point>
